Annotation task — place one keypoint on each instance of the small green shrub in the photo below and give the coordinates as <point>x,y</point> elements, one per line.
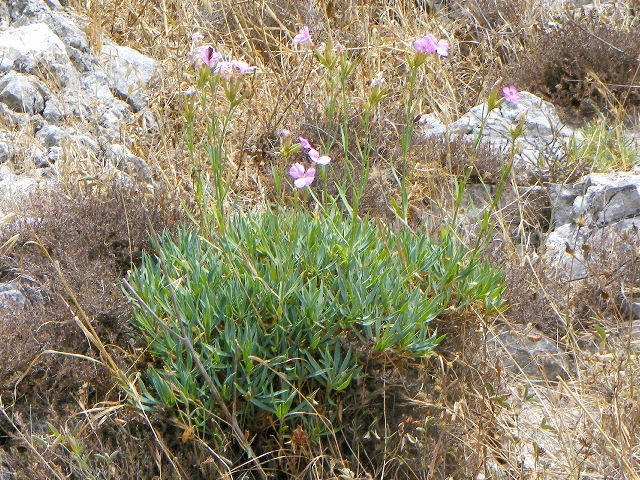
<point>282,308</point>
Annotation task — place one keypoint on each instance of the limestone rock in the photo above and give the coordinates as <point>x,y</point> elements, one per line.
<point>31,46</point>
<point>544,138</point>
<point>128,72</point>
<point>98,93</point>
<point>11,298</point>
<point>6,148</point>
<point>53,111</point>
<point>12,186</point>
<point>597,214</point>
<point>530,353</point>
<point>609,197</point>
<point>51,136</point>
<point>562,197</point>
<point>127,162</point>
<point>21,93</point>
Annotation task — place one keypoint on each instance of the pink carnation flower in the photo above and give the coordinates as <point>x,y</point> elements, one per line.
<point>427,44</point>
<point>315,157</point>
<point>302,178</point>
<point>511,94</point>
<point>442,48</point>
<point>209,56</point>
<point>302,37</point>
<point>243,67</point>
<point>224,69</point>
<point>197,39</point>
<point>305,143</point>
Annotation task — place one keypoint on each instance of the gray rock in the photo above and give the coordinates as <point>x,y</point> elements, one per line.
<point>6,474</point>
<point>608,197</point>
<point>97,92</point>
<point>599,212</point>
<point>544,139</point>
<point>4,15</point>
<point>563,251</point>
<point>87,142</point>
<point>53,111</point>
<point>34,46</point>
<point>51,136</point>
<point>67,29</point>
<point>129,73</point>
<point>530,353</point>
<point>6,149</point>
<point>54,155</point>
<point>21,93</point>
<point>431,126</point>
<point>562,199</point>
<point>11,298</point>
<point>13,186</point>
<point>124,160</point>
<point>13,119</point>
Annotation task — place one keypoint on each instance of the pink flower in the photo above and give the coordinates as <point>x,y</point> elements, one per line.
<point>442,48</point>
<point>209,56</point>
<point>197,39</point>
<point>224,69</point>
<point>378,81</point>
<point>302,37</point>
<point>315,157</point>
<point>305,143</point>
<point>302,178</point>
<point>511,94</point>
<point>427,44</point>
<point>243,67</point>
<point>190,91</point>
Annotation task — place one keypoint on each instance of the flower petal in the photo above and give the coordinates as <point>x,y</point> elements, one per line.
<point>304,143</point>
<point>302,36</point>
<point>209,56</point>
<point>301,182</point>
<point>243,67</point>
<point>296,170</point>
<point>426,44</point>
<point>310,176</point>
<point>313,154</point>
<point>443,48</point>
<point>511,94</point>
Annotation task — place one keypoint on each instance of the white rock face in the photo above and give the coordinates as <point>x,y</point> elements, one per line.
<point>599,211</point>
<point>544,138</point>
<point>24,48</point>
<point>11,298</point>
<point>97,93</point>
<point>21,93</point>
<point>123,159</point>
<point>14,186</point>
<point>128,73</point>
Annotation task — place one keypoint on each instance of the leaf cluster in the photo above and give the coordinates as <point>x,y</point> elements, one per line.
<point>283,309</point>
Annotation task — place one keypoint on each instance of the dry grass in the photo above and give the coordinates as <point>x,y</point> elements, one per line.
<point>458,414</point>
